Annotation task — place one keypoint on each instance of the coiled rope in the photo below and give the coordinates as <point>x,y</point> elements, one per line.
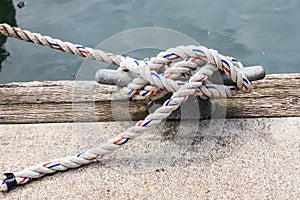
<point>189,76</point>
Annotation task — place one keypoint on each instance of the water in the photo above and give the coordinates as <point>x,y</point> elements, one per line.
<point>256,32</point>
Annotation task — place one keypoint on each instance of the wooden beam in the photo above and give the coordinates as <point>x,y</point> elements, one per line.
<point>68,101</point>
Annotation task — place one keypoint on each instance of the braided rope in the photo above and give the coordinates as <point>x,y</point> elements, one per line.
<point>195,56</point>
<point>184,78</point>
<point>59,45</point>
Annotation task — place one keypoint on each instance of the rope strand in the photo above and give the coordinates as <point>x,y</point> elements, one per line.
<point>59,45</point>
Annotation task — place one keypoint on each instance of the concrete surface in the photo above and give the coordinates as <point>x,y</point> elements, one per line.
<point>240,159</point>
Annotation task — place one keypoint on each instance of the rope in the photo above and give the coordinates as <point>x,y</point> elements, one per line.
<point>160,74</point>
<point>59,45</point>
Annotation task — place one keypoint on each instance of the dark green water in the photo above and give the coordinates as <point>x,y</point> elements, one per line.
<point>262,32</point>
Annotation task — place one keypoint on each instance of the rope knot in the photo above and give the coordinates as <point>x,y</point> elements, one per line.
<point>188,76</point>
<point>130,64</point>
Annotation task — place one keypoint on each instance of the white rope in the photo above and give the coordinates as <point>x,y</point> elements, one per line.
<point>56,44</point>
<point>189,76</point>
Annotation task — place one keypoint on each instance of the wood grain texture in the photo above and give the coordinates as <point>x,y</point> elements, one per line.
<point>68,101</point>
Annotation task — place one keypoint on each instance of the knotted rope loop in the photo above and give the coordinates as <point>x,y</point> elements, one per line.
<point>188,76</point>
<point>194,57</point>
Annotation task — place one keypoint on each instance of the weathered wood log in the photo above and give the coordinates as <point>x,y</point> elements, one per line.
<point>69,101</point>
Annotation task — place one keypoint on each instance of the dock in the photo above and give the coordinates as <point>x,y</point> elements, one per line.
<point>254,155</point>
<point>57,101</point>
